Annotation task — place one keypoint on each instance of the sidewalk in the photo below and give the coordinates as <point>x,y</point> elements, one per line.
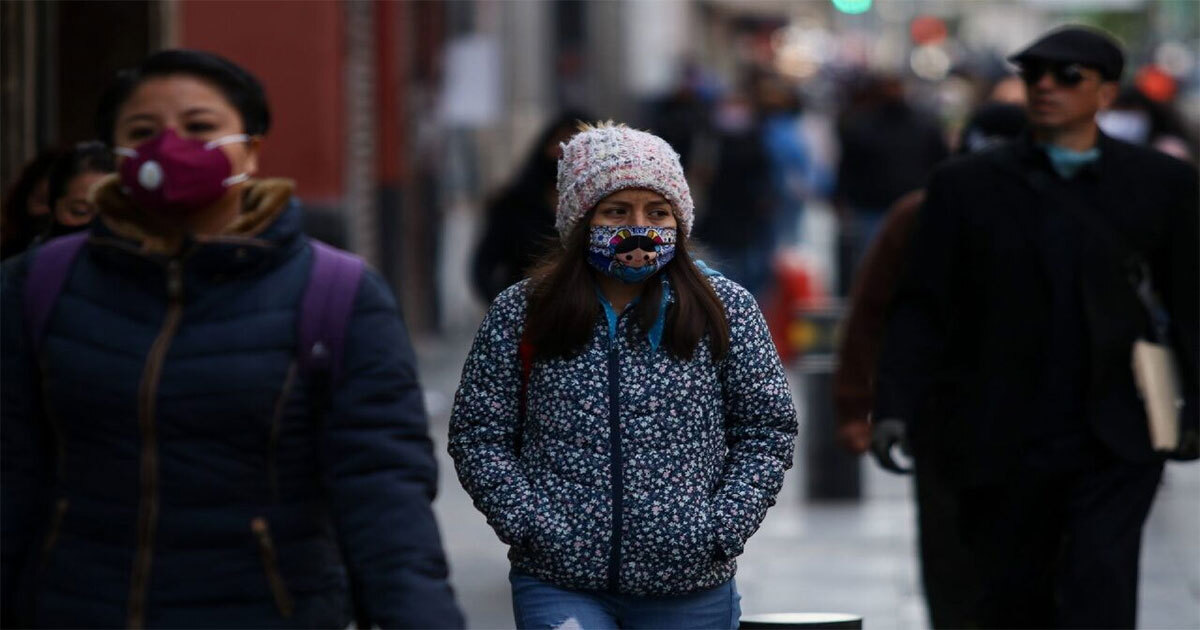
<point>857,557</point>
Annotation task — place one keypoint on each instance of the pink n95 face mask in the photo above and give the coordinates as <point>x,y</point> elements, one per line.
<point>171,174</point>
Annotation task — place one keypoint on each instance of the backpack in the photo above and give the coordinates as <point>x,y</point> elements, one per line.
<point>325,309</point>
<point>324,315</point>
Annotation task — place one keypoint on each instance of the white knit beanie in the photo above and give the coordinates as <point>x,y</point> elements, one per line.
<point>606,158</point>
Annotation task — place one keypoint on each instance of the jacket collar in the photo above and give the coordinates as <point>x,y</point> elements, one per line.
<point>654,335</point>
<point>1033,157</point>
<point>266,230</point>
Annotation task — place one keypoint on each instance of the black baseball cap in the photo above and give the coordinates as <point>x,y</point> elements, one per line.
<point>1077,44</point>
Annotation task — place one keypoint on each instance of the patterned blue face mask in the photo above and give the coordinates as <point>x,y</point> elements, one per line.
<point>630,253</point>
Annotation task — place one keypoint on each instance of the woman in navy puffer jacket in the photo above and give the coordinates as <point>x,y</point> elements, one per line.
<point>166,460</point>
<point>623,420</point>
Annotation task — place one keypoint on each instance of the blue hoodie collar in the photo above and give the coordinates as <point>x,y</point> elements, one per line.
<point>654,335</point>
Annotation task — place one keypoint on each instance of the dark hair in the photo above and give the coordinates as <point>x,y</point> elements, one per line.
<point>85,157</point>
<point>563,308</point>
<point>242,89</point>
<point>17,228</point>
<point>539,170</point>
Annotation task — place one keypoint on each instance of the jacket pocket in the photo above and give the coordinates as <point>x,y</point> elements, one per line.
<point>266,548</point>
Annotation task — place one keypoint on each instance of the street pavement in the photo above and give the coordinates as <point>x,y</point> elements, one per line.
<point>852,556</point>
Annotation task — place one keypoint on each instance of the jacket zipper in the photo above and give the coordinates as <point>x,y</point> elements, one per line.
<point>614,438</point>
<point>283,600</point>
<point>147,394</point>
<point>276,429</point>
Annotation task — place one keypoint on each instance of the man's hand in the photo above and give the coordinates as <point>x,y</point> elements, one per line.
<point>885,435</point>
<point>854,436</point>
<point>1189,437</point>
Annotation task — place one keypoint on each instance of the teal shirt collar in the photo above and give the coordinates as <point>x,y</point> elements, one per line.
<point>1066,162</point>
<point>654,335</point>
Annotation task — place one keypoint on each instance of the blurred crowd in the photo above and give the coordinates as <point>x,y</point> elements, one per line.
<point>767,155</point>
<point>762,148</point>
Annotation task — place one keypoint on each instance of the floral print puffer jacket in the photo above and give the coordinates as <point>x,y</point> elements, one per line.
<point>639,473</point>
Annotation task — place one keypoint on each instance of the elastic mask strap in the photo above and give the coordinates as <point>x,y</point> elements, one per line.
<point>224,140</point>
<point>125,152</point>
<point>236,179</point>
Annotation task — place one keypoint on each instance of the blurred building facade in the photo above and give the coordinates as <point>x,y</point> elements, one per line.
<point>397,118</point>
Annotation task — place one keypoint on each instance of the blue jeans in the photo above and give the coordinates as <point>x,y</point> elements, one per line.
<point>539,605</point>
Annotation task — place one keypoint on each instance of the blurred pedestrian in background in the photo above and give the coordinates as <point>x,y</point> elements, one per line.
<point>26,213</point>
<point>738,226</point>
<point>1136,118</point>
<point>684,116</point>
<point>173,453</point>
<point>71,182</point>
<point>519,224</point>
<point>1009,89</point>
<point>947,576</point>
<point>888,149</point>
<point>787,155</point>
<point>1010,340</point>
<point>623,420</point>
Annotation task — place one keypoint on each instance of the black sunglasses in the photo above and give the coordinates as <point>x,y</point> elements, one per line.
<point>1065,74</point>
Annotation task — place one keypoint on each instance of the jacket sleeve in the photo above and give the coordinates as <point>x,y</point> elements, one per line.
<point>760,426</point>
<point>862,336</point>
<point>1178,267</point>
<point>381,474</point>
<point>918,324</point>
<point>25,460</point>
<point>484,419</point>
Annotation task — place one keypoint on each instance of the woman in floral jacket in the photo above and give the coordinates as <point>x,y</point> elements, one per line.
<point>623,420</point>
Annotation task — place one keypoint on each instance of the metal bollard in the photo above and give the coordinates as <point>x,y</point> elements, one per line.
<point>831,473</point>
<point>805,621</point>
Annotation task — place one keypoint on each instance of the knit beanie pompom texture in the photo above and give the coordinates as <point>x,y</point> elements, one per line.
<point>605,158</point>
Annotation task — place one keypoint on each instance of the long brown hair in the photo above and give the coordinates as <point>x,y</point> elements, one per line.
<point>563,307</point>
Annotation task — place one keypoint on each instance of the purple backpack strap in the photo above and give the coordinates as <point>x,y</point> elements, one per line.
<point>325,309</point>
<point>47,276</point>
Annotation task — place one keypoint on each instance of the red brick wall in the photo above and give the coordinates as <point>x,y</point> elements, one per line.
<point>296,49</point>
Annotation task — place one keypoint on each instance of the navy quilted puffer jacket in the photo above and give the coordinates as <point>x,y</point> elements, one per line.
<point>169,466</point>
<point>639,473</point>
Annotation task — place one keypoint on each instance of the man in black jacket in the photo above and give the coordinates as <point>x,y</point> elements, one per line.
<point>1008,351</point>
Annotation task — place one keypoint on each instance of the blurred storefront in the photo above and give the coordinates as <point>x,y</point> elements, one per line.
<point>349,84</point>
<point>56,58</point>
<point>389,115</point>
<point>398,118</point>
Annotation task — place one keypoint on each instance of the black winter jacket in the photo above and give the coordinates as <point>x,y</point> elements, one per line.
<point>980,344</point>
<point>166,464</point>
